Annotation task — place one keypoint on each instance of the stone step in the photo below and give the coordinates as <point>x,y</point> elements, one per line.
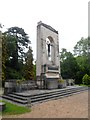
<point>34,100</point>
<point>54,96</point>
<point>50,98</point>
<point>18,97</point>
<point>44,96</point>
<point>49,92</point>
<point>47,97</point>
<point>15,99</point>
<point>39,97</point>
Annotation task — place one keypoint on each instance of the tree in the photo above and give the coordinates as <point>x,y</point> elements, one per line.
<point>4,56</point>
<point>68,64</point>
<point>29,71</point>
<point>14,45</point>
<point>82,53</point>
<point>18,40</point>
<point>81,48</point>
<point>88,58</point>
<point>63,54</point>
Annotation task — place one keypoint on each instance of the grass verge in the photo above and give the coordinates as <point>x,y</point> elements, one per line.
<point>13,109</point>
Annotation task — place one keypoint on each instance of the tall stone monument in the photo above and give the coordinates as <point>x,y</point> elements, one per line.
<point>47,63</point>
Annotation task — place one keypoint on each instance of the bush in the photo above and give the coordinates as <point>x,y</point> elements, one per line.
<point>60,81</point>
<point>86,79</point>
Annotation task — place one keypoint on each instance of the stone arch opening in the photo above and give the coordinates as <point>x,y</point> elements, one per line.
<point>50,48</point>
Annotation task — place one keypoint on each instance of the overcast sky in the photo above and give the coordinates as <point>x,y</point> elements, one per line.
<point>68,17</point>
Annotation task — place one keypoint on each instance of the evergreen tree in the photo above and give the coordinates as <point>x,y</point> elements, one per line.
<point>15,42</point>
<point>4,56</point>
<point>18,40</point>
<point>29,71</point>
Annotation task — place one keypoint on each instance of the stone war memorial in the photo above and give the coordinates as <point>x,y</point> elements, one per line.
<point>47,63</point>
<point>48,76</point>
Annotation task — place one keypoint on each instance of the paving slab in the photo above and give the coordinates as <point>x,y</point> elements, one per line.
<point>36,92</point>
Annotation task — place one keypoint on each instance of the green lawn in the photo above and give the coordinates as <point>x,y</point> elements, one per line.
<point>13,109</point>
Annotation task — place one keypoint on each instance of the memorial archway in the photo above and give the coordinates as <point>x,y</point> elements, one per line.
<point>47,64</point>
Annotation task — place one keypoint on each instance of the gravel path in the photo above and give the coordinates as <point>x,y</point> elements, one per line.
<point>75,106</point>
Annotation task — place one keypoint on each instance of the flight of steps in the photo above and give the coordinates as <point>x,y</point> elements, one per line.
<point>40,97</point>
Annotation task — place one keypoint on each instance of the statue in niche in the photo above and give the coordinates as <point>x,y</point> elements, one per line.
<point>49,50</point>
<point>48,46</point>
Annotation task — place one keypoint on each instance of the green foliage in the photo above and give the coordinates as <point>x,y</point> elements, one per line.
<point>29,71</point>
<point>14,63</point>
<point>12,109</point>
<point>82,53</point>
<point>13,74</point>
<point>19,81</point>
<point>4,56</point>
<point>77,65</point>
<point>82,63</point>
<point>69,66</point>
<point>63,54</point>
<point>17,41</point>
<point>61,81</point>
<point>81,48</point>
<point>86,79</point>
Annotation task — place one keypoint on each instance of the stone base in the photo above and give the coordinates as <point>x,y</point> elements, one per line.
<point>51,83</point>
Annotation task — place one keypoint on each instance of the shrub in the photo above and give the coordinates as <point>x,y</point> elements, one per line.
<point>86,79</point>
<point>60,81</point>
